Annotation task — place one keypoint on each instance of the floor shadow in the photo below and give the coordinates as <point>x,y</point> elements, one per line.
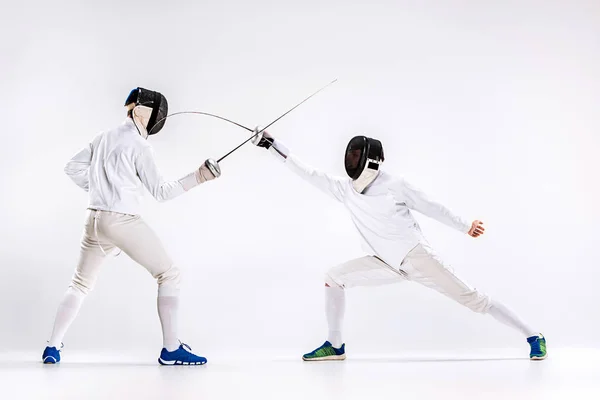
<point>433,360</point>
<point>68,365</point>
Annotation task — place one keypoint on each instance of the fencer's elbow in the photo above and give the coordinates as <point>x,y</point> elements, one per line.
<point>68,169</point>
<point>162,195</point>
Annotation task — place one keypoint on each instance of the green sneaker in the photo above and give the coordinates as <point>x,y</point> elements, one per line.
<point>538,347</point>
<point>326,352</point>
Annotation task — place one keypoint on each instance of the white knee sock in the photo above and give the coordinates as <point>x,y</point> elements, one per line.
<point>67,311</point>
<point>502,314</point>
<point>335,305</point>
<point>167,312</point>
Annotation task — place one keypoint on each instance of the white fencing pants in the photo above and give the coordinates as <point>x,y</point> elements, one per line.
<point>104,231</point>
<point>424,266</point>
<point>421,265</point>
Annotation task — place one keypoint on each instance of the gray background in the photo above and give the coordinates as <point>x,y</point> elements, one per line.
<point>490,106</point>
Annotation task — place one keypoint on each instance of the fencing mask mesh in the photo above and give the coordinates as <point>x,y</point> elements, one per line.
<point>362,159</point>
<point>156,102</point>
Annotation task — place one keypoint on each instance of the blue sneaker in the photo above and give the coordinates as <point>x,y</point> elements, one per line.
<point>538,347</point>
<point>181,356</point>
<point>326,352</point>
<point>51,355</point>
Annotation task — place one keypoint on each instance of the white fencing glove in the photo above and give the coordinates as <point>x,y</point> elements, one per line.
<point>209,171</point>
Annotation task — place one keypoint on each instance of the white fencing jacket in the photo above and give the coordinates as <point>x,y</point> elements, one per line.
<point>382,214</point>
<point>116,165</point>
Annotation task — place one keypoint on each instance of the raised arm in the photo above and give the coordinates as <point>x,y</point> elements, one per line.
<point>331,185</point>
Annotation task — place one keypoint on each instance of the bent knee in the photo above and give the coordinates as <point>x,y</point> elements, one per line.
<point>333,278</point>
<point>170,277</point>
<point>83,282</point>
<point>79,285</point>
<point>168,281</point>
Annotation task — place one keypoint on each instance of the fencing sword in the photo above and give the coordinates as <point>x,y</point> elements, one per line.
<point>201,113</point>
<point>236,123</point>
<point>214,165</point>
<point>256,132</point>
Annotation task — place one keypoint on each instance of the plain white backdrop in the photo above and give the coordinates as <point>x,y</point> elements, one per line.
<point>491,107</point>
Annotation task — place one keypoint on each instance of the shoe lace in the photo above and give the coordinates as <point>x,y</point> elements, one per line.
<point>537,345</point>
<point>61,345</point>
<point>185,345</point>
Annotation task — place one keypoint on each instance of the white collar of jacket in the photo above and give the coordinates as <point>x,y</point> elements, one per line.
<point>132,126</point>
<point>140,115</point>
<point>365,179</point>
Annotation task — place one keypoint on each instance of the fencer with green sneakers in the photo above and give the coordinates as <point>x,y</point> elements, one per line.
<point>381,207</point>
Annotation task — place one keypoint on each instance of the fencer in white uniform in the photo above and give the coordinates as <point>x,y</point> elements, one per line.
<point>381,207</point>
<point>114,168</point>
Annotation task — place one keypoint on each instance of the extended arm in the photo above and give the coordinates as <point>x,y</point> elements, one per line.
<point>331,185</point>
<point>419,201</point>
<point>163,190</point>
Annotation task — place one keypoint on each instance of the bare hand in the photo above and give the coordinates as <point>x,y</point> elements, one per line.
<point>477,229</point>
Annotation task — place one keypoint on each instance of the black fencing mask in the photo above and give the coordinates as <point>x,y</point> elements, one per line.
<point>148,110</point>
<point>362,159</point>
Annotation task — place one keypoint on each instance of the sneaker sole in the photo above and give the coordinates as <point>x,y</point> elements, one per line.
<point>326,358</point>
<point>175,362</point>
<point>50,360</point>
<point>539,358</point>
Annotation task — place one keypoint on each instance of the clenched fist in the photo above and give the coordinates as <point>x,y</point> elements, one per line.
<point>477,229</point>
